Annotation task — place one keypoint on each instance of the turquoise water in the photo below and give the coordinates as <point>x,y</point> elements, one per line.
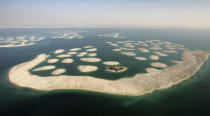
<point>185,98</point>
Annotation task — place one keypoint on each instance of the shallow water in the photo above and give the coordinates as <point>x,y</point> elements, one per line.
<point>188,97</point>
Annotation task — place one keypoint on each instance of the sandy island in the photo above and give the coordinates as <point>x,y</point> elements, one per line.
<point>67,60</point>
<point>87,68</point>
<point>111,63</point>
<point>137,85</point>
<point>128,53</point>
<point>140,58</point>
<point>45,68</point>
<point>52,60</point>
<point>90,59</point>
<point>157,64</point>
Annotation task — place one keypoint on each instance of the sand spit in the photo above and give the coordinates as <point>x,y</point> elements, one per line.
<point>92,54</point>
<point>111,63</point>
<point>137,85</point>
<point>58,71</point>
<point>63,56</point>
<point>128,53</point>
<point>52,60</point>
<point>157,64</point>
<point>59,51</point>
<point>90,59</point>
<point>144,50</point>
<point>45,68</point>
<point>87,68</point>
<point>154,57</point>
<point>140,58</point>
<point>75,49</point>
<point>91,50</point>
<point>67,60</point>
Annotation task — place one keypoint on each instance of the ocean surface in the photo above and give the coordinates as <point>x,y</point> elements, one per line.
<point>190,97</point>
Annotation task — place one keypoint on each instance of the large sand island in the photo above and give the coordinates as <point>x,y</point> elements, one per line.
<point>133,86</point>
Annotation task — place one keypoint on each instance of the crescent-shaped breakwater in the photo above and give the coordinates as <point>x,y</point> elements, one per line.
<point>133,86</point>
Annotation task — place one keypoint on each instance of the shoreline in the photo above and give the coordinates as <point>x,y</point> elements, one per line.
<point>134,86</point>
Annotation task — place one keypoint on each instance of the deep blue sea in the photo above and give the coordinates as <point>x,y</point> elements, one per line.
<point>186,98</point>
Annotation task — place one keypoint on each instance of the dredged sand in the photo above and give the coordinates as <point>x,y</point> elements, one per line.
<point>63,56</point>
<point>59,51</point>
<point>111,63</point>
<point>90,59</point>
<point>137,85</point>
<point>50,67</point>
<point>128,53</point>
<point>67,60</point>
<point>91,50</point>
<point>154,57</point>
<point>92,54</point>
<point>144,50</point>
<point>58,71</point>
<point>158,64</point>
<point>87,68</point>
<point>52,60</point>
<point>75,49</point>
<point>140,58</point>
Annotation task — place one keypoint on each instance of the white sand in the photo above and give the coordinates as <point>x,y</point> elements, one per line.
<point>92,54</point>
<point>140,58</point>
<point>67,60</point>
<point>128,53</point>
<point>160,54</point>
<point>91,50</point>
<point>52,60</point>
<point>134,86</point>
<point>144,50</point>
<point>116,50</point>
<point>90,59</point>
<point>59,51</point>
<point>50,67</point>
<point>63,56</point>
<point>157,64</point>
<point>87,68</point>
<point>115,45</point>
<point>154,57</point>
<point>71,53</point>
<point>58,71</point>
<point>111,63</point>
<point>75,49</point>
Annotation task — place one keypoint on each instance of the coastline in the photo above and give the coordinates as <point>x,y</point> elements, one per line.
<point>133,86</point>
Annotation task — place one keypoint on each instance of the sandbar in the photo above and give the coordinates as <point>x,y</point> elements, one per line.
<point>160,54</point>
<point>75,49</point>
<point>91,50</point>
<point>63,55</point>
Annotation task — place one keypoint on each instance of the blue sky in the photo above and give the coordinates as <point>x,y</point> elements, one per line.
<point>138,13</point>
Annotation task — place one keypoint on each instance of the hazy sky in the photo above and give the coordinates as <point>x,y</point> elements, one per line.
<point>141,13</point>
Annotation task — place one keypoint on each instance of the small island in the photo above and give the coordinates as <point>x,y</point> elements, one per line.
<point>116,68</point>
